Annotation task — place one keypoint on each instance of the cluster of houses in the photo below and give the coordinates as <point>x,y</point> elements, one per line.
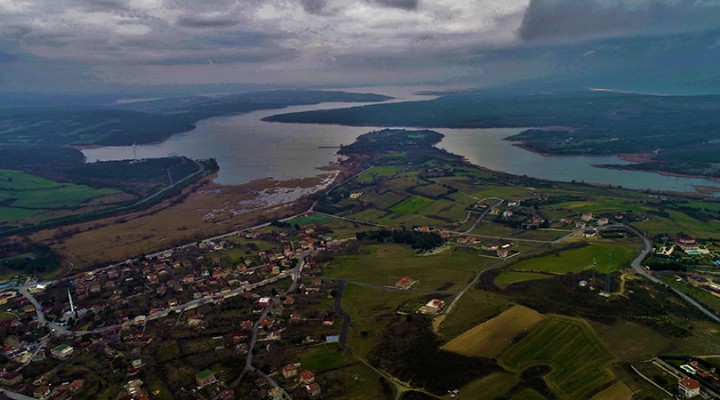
<point>305,378</point>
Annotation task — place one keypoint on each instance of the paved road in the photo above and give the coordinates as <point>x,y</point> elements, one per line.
<point>249,367</point>
<point>14,395</point>
<point>482,215</point>
<point>637,265</point>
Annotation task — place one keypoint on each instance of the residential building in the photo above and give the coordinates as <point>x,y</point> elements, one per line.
<point>62,351</point>
<point>289,371</point>
<point>689,387</point>
<point>307,377</point>
<point>206,377</point>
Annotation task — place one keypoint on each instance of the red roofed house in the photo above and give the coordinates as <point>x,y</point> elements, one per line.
<point>602,221</point>
<point>307,377</point>
<point>689,387</point>
<point>289,371</point>
<point>404,283</point>
<point>687,243</point>
<point>313,389</point>
<point>328,320</point>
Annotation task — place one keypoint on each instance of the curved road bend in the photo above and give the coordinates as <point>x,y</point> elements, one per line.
<point>637,265</point>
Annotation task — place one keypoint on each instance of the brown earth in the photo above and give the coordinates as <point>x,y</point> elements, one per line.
<point>201,210</point>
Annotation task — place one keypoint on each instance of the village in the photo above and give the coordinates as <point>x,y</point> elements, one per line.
<point>215,298</point>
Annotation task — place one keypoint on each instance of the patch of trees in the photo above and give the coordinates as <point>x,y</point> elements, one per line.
<point>408,349</point>
<point>424,241</point>
<point>28,257</point>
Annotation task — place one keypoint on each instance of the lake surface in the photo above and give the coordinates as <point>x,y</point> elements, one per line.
<point>247,148</point>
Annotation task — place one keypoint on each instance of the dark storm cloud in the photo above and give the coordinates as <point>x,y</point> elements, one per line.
<point>207,23</point>
<point>402,4</point>
<point>571,19</point>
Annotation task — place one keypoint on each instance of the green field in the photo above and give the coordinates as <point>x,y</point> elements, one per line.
<point>508,277</point>
<point>385,263</point>
<point>579,360</point>
<point>369,175</point>
<point>411,204</point>
<point>475,307</point>
<point>489,387</point>
<point>310,219</point>
<point>370,311</point>
<point>576,260</point>
<point>679,222</point>
<point>23,195</point>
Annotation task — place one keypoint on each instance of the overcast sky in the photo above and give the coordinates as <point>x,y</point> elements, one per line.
<point>81,44</point>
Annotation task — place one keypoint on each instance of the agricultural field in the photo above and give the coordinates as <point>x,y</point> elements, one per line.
<point>679,222</point>
<point>24,196</point>
<point>310,219</point>
<point>489,387</point>
<point>507,277</point>
<point>384,170</point>
<point>411,205</point>
<point>580,362</point>
<point>618,391</point>
<point>385,263</point>
<point>579,259</point>
<point>492,337</point>
<point>475,307</point>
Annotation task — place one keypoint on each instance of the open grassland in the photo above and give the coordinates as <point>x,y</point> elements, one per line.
<point>383,201</point>
<point>384,170</point>
<point>618,391</point>
<point>333,364</point>
<point>24,196</point>
<point>385,263</point>
<point>475,307</point>
<point>411,205</point>
<point>615,337</point>
<point>576,260</point>
<point>679,222</point>
<point>508,277</point>
<point>579,361</point>
<point>489,387</point>
<point>370,312</point>
<point>490,338</point>
<point>704,296</point>
<point>310,219</point>
<point>504,192</point>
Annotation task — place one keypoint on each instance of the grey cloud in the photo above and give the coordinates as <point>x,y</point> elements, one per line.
<point>402,4</point>
<point>207,23</point>
<point>313,6</point>
<point>103,5</point>
<point>572,19</point>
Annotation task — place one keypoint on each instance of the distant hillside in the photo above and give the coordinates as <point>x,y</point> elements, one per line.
<point>145,122</point>
<point>674,127</point>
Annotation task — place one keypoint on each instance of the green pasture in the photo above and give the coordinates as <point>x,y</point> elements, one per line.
<point>579,259</point>
<point>508,277</point>
<point>385,263</point>
<point>411,205</point>
<point>381,170</point>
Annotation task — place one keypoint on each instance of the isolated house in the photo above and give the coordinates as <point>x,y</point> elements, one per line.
<point>689,387</point>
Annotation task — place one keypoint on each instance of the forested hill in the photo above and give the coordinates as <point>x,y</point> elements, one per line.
<point>148,121</point>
